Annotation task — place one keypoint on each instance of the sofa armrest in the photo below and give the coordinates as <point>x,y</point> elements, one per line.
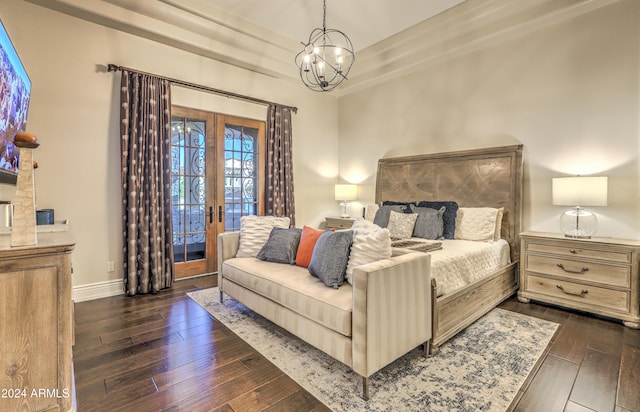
<point>228,243</point>
<point>391,310</point>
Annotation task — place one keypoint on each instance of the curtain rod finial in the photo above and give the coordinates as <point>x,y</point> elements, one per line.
<point>112,67</point>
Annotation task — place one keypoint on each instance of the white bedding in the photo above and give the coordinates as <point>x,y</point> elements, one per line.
<point>460,262</point>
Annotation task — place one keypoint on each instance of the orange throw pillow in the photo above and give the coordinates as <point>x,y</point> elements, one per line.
<point>308,241</point>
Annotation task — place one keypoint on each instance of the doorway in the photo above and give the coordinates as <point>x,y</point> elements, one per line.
<point>217,175</point>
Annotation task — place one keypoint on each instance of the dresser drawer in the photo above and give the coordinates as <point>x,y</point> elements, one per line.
<point>580,252</point>
<point>608,275</point>
<point>583,295</point>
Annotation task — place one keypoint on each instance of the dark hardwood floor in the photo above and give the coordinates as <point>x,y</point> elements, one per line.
<point>164,352</point>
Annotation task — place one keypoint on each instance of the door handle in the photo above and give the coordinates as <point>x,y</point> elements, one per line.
<point>210,214</point>
<point>220,213</point>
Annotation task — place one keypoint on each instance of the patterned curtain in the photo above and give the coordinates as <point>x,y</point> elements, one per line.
<point>146,183</point>
<point>279,188</point>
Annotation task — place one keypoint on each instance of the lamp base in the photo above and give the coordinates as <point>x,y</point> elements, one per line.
<point>578,223</point>
<point>344,205</point>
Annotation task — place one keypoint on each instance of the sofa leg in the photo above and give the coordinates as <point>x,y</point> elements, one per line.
<point>365,388</point>
<point>426,347</point>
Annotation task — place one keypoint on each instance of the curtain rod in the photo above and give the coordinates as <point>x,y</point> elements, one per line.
<point>115,68</point>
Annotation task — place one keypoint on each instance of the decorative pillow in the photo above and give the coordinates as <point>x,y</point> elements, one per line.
<point>330,256</point>
<point>429,224</point>
<point>476,223</point>
<point>370,243</point>
<point>498,234</point>
<point>255,231</point>
<point>401,224</point>
<point>370,211</point>
<point>382,214</point>
<point>308,241</point>
<point>405,205</point>
<point>281,246</point>
<point>448,218</point>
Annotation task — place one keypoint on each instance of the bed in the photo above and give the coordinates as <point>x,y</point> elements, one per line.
<point>489,177</point>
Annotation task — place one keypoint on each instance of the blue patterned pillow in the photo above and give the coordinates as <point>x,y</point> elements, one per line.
<point>330,257</point>
<point>282,246</point>
<point>448,218</point>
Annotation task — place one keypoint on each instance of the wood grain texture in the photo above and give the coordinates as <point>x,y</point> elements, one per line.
<point>36,324</point>
<point>210,368</point>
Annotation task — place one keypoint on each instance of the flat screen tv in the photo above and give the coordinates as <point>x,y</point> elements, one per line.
<point>15,90</point>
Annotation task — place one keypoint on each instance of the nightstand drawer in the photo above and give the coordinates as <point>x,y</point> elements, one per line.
<point>620,257</point>
<point>339,222</point>
<point>607,275</point>
<point>586,295</point>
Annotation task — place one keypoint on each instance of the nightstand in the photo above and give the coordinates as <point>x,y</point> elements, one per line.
<point>597,275</point>
<point>339,222</point>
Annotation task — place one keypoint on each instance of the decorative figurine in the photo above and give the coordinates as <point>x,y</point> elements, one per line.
<point>23,232</point>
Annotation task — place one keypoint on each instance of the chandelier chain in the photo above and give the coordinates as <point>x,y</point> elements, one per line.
<point>324,15</point>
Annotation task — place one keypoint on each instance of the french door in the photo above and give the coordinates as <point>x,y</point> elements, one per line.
<point>217,175</point>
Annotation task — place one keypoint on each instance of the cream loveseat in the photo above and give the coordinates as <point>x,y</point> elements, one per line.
<point>384,315</point>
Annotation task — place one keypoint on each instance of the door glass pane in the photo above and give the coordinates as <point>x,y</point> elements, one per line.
<point>188,189</point>
<point>240,174</point>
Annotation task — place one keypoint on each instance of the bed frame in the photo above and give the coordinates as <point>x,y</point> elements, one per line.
<point>490,177</point>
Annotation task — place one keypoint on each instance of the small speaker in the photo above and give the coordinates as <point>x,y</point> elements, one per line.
<point>44,217</point>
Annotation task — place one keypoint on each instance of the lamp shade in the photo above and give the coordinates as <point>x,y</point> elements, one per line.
<point>579,191</point>
<point>346,192</point>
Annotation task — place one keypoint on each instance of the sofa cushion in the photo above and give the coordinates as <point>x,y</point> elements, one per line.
<point>370,243</point>
<point>281,246</point>
<point>255,231</point>
<point>292,287</point>
<point>330,257</point>
<point>308,240</point>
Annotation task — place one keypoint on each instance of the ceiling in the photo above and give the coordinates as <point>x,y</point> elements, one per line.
<point>392,38</point>
<point>365,22</point>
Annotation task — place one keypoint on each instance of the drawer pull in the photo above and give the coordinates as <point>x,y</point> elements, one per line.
<point>580,272</point>
<point>573,251</point>
<point>581,293</point>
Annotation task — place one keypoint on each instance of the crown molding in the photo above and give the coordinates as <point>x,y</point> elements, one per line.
<point>198,27</point>
<point>193,26</point>
<point>470,26</point>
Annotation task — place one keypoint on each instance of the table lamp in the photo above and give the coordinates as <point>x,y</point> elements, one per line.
<point>579,191</point>
<point>346,192</point>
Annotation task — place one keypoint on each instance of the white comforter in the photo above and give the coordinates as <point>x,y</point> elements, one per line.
<point>460,262</point>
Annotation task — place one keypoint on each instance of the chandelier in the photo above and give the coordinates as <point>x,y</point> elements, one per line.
<point>326,59</point>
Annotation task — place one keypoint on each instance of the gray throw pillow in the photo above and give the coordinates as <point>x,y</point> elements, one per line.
<point>429,224</point>
<point>330,257</point>
<point>382,215</point>
<point>282,246</point>
<point>448,218</point>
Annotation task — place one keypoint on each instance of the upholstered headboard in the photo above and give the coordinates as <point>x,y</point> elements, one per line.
<point>490,177</point>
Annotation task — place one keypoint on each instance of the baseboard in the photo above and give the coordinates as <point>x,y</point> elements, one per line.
<point>98,290</point>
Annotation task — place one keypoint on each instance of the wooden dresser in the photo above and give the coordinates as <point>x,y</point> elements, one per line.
<point>598,275</point>
<point>36,324</point>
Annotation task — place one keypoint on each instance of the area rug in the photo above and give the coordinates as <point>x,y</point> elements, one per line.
<point>480,369</point>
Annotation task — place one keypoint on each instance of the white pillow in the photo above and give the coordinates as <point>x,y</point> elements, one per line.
<point>255,231</point>
<point>370,243</point>
<point>477,223</point>
<point>401,224</point>
<point>370,211</point>
<point>498,235</point>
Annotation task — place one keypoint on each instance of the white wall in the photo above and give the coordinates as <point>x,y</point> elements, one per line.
<point>569,92</point>
<point>74,112</point>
